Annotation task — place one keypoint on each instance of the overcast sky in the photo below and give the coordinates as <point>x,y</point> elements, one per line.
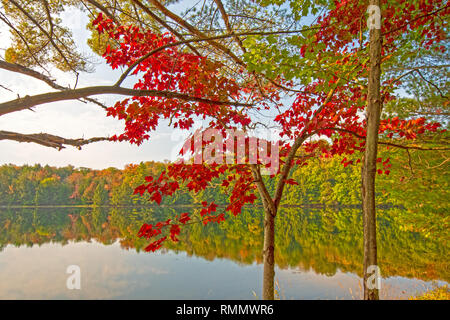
<point>73,119</point>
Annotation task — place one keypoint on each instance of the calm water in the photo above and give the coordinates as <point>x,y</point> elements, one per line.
<point>319,255</point>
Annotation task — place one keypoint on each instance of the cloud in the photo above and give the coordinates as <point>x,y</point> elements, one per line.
<point>74,119</point>
<point>107,272</point>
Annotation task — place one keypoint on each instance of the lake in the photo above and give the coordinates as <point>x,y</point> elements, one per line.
<point>318,254</point>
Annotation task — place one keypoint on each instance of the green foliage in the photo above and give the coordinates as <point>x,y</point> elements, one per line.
<point>50,190</point>
<point>37,40</point>
<point>101,196</point>
<point>418,183</point>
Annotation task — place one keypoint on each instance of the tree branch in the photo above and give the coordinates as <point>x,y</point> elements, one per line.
<point>48,140</point>
<point>100,7</point>
<point>415,19</point>
<point>193,30</point>
<point>384,142</point>
<point>265,196</point>
<point>49,37</point>
<point>291,155</point>
<point>30,101</point>
<point>164,24</point>
<point>14,67</point>
<point>228,25</point>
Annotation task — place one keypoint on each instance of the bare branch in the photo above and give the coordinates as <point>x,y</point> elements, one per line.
<point>432,84</point>
<point>14,67</point>
<point>420,67</point>
<point>6,88</point>
<point>30,101</point>
<point>100,7</point>
<point>227,23</point>
<point>192,29</point>
<point>164,24</point>
<point>48,140</point>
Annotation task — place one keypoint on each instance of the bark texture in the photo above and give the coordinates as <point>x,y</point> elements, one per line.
<point>48,140</point>
<point>31,101</point>
<point>269,256</point>
<point>370,158</point>
<point>268,292</point>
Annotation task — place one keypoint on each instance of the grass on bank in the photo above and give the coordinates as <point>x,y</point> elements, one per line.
<point>438,293</point>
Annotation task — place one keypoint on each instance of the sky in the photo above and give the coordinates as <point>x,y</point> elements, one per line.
<point>74,119</point>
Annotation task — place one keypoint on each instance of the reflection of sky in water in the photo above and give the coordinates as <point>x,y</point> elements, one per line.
<point>109,272</point>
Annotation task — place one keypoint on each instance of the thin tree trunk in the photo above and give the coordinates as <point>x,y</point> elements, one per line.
<point>270,211</point>
<point>370,157</point>
<point>269,258</point>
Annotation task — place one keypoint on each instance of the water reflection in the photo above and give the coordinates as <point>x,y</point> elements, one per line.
<point>318,253</point>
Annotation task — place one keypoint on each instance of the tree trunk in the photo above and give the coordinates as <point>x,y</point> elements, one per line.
<point>268,255</point>
<point>370,158</point>
<point>270,211</point>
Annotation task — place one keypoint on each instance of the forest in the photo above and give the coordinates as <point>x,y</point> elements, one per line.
<point>420,191</point>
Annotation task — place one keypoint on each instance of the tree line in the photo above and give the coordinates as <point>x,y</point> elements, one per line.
<point>418,184</point>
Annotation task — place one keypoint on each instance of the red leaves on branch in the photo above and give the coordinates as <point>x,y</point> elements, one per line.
<point>208,209</point>
<point>312,114</point>
<point>218,218</point>
<point>166,69</point>
<point>174,232</point>
<point>291,182</point>
<point>155,245</point>
<point>342,25</point>
<point>184,218</point>
<point>408,129</point>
